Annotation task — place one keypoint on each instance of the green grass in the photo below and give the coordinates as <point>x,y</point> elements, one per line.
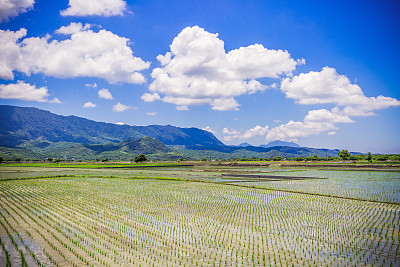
<point>91,165</point>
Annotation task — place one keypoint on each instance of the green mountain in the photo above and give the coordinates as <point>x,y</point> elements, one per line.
<point>32,133</point>
<point>23,124</point>
<point>262,152</point>
<point>280,143</point>
<point>124,150</point>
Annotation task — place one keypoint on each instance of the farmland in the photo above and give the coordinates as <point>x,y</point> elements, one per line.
<point>173,215</point>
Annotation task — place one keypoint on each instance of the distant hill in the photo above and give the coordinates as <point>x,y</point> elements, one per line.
<point>124,150</point>
<point>280,143</point>
<point>264,152</point>
<point>171,135</point>
<point>244,144</point>
<point>32,133</point>
<point>23,124</point>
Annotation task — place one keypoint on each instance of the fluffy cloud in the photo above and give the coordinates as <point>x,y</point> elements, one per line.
<point>315,122</point>
<point>224,104</point>
<point>89,105</point>
<point>198,70</point>
<point>209,129</point>
<point>182,108</point>
<point>105,8</point>
<point>11,8</point>
<point>26,92</point>
<point>120,107</point>
<point>150,97</point>
<point>151,113</point>
<point>323,115</point>
<point>244,134</point>
<point>295,129</point>
<point>104,93</point>
<point>92,85</point>
<point>86,54</point>
<point>72,28</point>
<point>327,86</point>
<point>230,131</point>
<point>10,54</point>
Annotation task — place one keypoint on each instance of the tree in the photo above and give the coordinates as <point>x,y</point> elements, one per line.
<point>1,159</point>
<point>313,158</point>
<point>369,157</point>
<point>50,159</point>
<point>140,158</point>
<point>278,158</point>
<point>344,154</point>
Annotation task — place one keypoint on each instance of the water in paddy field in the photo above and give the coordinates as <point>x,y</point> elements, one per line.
<point>371,185</point>
<point>109,217</point>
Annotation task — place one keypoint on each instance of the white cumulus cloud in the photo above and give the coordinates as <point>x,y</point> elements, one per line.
<point>26,92</point>
<point>323,115</point>
<point>225,104</point>
<point>327,86</point>
<point>315,122</point>
<point>10,54</point>
<point>121,107</point>
<point>12,8</point>
<point>199,71</point>
<point>104,8</point>
<point>72,28</point>
<point>209,129</point>
<point>92,85</point>
<point>150,97</point>
<point>87,53</point>
<point>182,108</point>
<point>89,105</point>
<point>104,93</point>
<point>244,134</point>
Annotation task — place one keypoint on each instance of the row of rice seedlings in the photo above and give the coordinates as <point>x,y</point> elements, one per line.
<point>7,227</point>
<point>48,216</point>
<point>42,229</point>
<point>371,185</point>
<point>26,247</point>
<point>7,254</point>
<point>55,226</point>
<point>187,227</point>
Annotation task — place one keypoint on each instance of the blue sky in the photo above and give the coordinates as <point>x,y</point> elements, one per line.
<point>321,74</point>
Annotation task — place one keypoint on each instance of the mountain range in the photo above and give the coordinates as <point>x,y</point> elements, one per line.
<point>35,133</point>
<point>280,143</point>
<point>271,144</point>
<point>22,124</point>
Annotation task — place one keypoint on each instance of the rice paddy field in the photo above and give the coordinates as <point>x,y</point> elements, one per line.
<point>61,215</point>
